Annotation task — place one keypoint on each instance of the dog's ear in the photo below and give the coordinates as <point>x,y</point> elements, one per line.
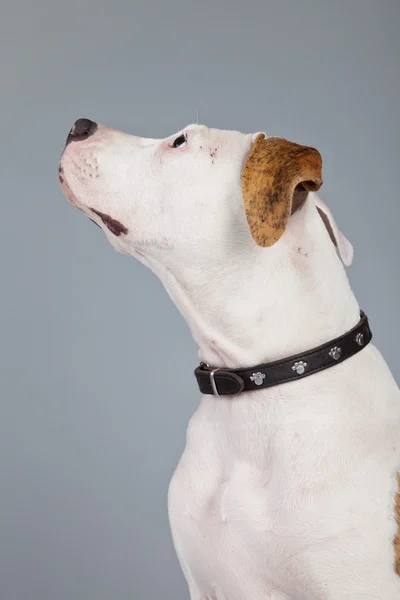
<point>343,245</point>
<point>276,179</point>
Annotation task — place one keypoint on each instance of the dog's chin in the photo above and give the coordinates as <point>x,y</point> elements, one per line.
<point>94,215</point>
<point>68,193</point>
<point>65,187</point>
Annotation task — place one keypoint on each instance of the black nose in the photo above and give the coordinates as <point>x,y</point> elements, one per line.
<point>81,130</point>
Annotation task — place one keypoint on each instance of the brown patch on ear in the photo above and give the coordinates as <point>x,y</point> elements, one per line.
<point>397,538</point>
<point>276,179</point>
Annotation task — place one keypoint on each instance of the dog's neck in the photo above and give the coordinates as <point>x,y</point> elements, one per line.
<point>263,304</point>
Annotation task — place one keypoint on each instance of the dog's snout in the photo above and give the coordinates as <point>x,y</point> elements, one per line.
<point>81,130</point>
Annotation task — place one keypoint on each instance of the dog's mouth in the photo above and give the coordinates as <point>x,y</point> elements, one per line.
<point>82,168</point>
<point>113,225</point>
<point>66,188</point>
<point>60,174</point>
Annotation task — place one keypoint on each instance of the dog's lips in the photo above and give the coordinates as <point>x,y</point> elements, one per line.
<point>116,227</point>
<point>60,174</point>
<point>70,196</point>
<point>67,190</point>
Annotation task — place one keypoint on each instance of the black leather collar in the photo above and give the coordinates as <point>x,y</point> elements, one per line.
<point>223,381</point>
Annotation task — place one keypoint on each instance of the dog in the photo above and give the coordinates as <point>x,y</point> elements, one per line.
<point>283,492</point>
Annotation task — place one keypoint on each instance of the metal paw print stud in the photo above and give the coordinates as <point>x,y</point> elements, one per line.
<point>335,353</point>
<point>258,378</point>
<point>360,339</point>
<point>300,367</point>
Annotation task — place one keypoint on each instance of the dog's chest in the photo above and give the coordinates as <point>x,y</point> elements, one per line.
<point>221,523</point>
<point>253,501</point>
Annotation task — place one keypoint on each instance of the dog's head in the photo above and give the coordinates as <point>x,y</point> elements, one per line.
<point>195,192</point>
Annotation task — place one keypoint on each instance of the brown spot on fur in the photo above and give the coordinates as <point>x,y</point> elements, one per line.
<point>114,226</point>
<point>397,538</point>
<point>276,179</point>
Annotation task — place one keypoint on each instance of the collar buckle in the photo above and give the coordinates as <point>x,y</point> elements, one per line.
<point>206,367</point>
<point>231,382</point>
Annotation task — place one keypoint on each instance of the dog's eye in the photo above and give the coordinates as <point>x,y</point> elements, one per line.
<point>180,141</point>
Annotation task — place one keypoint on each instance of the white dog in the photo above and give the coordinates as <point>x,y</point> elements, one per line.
<point>285,492</point>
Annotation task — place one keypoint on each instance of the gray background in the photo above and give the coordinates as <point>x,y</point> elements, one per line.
<point>86,450</point>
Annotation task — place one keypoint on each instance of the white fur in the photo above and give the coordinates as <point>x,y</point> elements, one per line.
<point>285,493</point>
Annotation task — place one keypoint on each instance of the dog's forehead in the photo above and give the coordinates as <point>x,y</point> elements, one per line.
<point>212,132</point>
<point>200,132</point>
